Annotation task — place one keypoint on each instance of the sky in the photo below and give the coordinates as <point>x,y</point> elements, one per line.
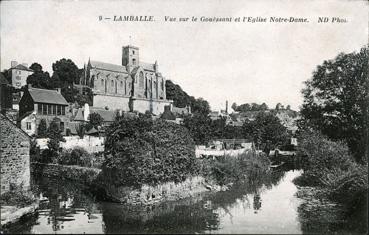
<point>236,61</point>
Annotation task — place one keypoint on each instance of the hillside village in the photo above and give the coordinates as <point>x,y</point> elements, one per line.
<point>70,121</point>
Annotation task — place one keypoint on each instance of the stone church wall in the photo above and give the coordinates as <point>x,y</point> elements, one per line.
<point>113,102</point>
<point>15,158</point>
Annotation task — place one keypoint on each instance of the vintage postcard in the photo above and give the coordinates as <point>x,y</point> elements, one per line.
<point>198,116</point>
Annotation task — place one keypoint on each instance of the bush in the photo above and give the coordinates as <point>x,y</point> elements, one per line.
<point>17,197</point>
<point>322,154</point>
<point>227,169</point>
<point>76,156</point>
<point>141,151</point>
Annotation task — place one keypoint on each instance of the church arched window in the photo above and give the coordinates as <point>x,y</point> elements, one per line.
<point>141,80</point>
<point>102,82</point>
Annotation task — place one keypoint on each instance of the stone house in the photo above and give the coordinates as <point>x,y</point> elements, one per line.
<point>37,104</point>
<point>14,157</point>
<point>132,86</point>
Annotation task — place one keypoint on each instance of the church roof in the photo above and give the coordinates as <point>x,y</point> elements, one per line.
<point>147,66</point>
<point>47,96</point>
<point>108,66</point>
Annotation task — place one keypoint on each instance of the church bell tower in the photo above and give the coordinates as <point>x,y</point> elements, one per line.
<point>130,56</point>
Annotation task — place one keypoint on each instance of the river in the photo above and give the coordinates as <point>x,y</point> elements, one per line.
<point>267,204</point>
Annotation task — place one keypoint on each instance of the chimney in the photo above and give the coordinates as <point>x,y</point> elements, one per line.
<point>14,63</point>
<point>58,90</point>
<point>25,65</point>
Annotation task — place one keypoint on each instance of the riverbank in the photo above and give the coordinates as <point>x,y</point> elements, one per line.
<point>13,214</point>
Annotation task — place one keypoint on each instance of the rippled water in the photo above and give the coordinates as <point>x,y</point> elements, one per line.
<point>267,204</point>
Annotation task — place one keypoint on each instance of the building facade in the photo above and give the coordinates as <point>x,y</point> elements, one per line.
<point>37,104</point>
<point>131,86</point>
<point>14,156</point>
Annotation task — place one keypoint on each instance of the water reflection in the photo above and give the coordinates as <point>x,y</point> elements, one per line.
<point>254,206</point>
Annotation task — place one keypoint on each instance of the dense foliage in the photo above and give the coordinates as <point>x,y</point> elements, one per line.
<point>266,131</point>
<point>182,99</point>
<point>249,107</point>
<point>142,151</point>
<point>227,169</point>
<point>17,197</point>
<point>39,78</point>
<point>336,100</point>
<point>329,166</point>
<point>42,129</point>
<point>95,120</point>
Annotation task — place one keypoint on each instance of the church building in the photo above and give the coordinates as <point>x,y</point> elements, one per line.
<point>131,86</point>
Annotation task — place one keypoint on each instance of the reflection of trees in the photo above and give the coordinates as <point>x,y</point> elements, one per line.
<point>65,197</point>
<point>185,216</point>
<point>193,215</point>
<point>322,216</point>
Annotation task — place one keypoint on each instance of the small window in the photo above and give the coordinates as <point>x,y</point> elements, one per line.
<point>49,109</point>
<point>39,108</point>
<point>102,82</point>
<point>133,52</point>
<point>28,125</point>
<point>134,61</point>
<point>44,109</point>
<point>54,109</point>
<point>61,126</point>
<point>59,110</point>
<point>18,77</point>
<point>112,83</point>
<point>63,110</point>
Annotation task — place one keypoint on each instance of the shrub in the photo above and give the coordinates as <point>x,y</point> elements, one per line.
<point>227,169</point>
<point>141,151</point>
<point>17,197</point>
<point>76,156</point>
<point>322,154</point>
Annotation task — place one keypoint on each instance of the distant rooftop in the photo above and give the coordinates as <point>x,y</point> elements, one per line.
<point>47,96</point>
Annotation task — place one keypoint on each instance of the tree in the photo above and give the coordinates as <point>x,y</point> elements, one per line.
<point>42,129</point>
<point>279,106</point>
<point>66,73</point>
<point>336,100</point>
<point>39,78</point>
<point>199,126</point>
<point>54,135</point>
<point>142,151</point>
<point>7,75</point>
<point>174,92</point>
<point>200,106</point>
<point>266,131</point>
<point>95,119</point>
<point>234,106</point>
<point>36,67</point>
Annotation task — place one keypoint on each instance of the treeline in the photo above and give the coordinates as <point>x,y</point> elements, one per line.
<point>181,99</point>
<point>257,107</point>
<point>266,131</point>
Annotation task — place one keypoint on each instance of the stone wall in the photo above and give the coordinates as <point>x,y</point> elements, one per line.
<point>83,175</point>
<point>14,156</point>
<point>113,102</point>
<point>169,191</point>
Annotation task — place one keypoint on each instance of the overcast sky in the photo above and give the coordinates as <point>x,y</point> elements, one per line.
<point>238,62</point>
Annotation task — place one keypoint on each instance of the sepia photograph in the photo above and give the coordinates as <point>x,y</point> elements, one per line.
<point>184,117</point>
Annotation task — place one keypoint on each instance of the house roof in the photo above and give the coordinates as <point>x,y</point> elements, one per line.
<point>22,67</point>
<point>79,116</point>
<point>107,115</point>
<point>47,96</point>
<point>7,127</point>
<point>108,66</point>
